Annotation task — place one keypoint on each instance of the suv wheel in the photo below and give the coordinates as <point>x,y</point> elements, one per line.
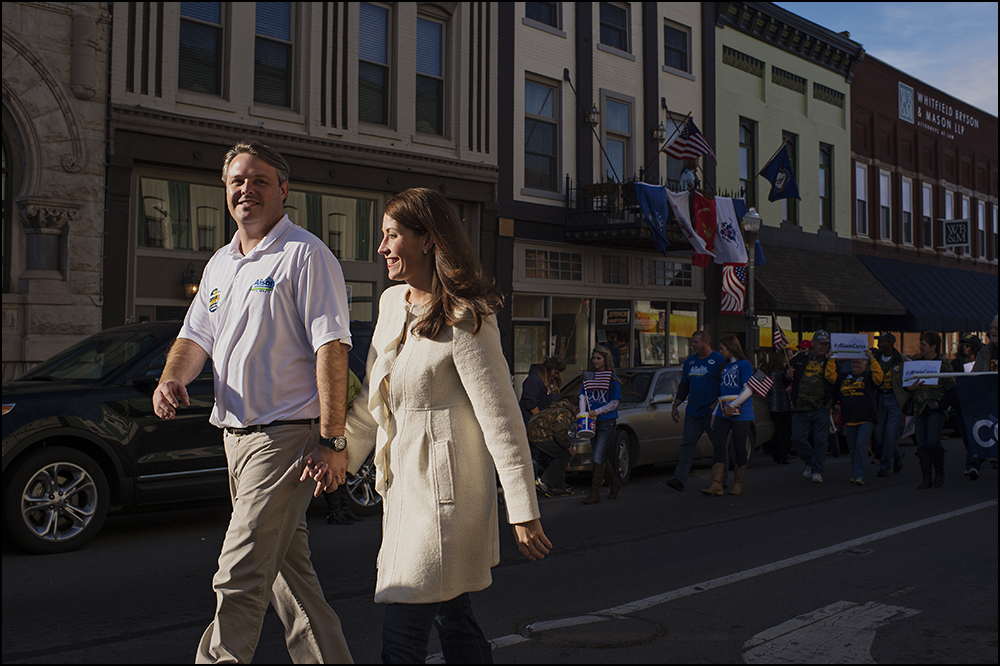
<point>55,500</point>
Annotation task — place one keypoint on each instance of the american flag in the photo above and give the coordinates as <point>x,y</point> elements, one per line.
<point>734,279</point>
<point>688,143</point>
<point>760,383</point>
<point>597,381</point>
<point>778,339</point>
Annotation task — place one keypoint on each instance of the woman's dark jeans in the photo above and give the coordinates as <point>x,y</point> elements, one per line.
<point>603,434</point>
<point>406,628</point>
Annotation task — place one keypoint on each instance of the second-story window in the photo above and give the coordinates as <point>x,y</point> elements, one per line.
<point>541,135</point>
<point>272,77</point>
<point>790,207</point>
<point>884,205</point>
<point>619,137</point>
<point>614,25</point>
<point>430,77</point>
<point>826,185</point>
<point>748,160</point>
<point>543,12</point>
<point>677,47</point>
<point>373,64</point>
<point>906,219</point>
<point>861,199</point>
<point>199,61</point>
<point>927,213</point>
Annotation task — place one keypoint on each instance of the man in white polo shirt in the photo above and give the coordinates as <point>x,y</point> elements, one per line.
<point>272,314</point>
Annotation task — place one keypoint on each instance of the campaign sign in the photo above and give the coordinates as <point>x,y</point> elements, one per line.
<point>848,345</point>
<point>911,368</point>
<point>977,396</point>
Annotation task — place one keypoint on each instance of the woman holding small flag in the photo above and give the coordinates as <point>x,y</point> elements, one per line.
<point>599,398</point>
<point>733,415</point>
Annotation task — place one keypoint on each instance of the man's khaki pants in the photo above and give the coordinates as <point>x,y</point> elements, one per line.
<point>265,556</point>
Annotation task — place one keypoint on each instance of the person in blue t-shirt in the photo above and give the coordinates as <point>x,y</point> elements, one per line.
<point>700,387</point>
<point>734,414</point>
<point>599,397</point>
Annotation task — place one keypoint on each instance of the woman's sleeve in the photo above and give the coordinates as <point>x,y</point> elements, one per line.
<point>483,370</point>
<point>361,428</point>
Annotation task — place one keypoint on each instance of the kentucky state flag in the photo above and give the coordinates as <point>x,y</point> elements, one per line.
<point>977,395</point>
<point>653,202</point>
<point>779,172</point>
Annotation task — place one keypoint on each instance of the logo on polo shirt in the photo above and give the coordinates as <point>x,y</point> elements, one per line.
<point>213,300</point>
<point>263,285</point>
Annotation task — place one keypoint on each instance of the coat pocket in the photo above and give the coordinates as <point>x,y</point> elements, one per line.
<point>443,479</point>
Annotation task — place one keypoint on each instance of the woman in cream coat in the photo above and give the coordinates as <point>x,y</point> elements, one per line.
<point>439,409</point>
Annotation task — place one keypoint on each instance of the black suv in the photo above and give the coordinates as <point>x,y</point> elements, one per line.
<point>80,437</point>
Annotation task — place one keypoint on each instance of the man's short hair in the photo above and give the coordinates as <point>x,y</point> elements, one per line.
<point>703,336</point>
<point>261,150</point>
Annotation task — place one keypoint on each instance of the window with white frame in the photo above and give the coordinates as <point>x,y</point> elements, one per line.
<point>374,71</point>
<point>677,47</point>
<point>541,135</point>
<point>861,199</point>
<point>273,54</point>
<point>949,205</point>
<point>967,215</point>
<point>614,269</point>
<point>981,223</point>
<point>885,205</point>
<point>663,273</point>
<point>551,265</point>
<point>615,25</point>
<point>906,191</point>
<point>202,38</point>
<point>430,76</point>
<point>618,139</point>
<point>927,212</point>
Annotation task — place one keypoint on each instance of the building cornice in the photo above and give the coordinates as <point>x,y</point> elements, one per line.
<point>793,34</point>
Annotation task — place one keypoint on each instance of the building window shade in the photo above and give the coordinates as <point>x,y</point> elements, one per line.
<point>373,65</point>
<point>272,81</point>
<point>430,77</point>
<point>675,49</point>
<point>199,59</point>
<point>541,134</point>
<point>614,26</point>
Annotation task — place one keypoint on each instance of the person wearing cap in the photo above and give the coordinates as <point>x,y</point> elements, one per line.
<point>541,387</point>
<point>811,398</point>
<point>885,442</point>
<point>968,348</point>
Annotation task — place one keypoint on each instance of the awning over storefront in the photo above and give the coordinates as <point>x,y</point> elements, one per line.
<point>796,279</point>
<point>938,298</point>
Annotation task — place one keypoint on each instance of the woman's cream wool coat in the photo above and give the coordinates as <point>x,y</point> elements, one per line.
<point>440,415</point>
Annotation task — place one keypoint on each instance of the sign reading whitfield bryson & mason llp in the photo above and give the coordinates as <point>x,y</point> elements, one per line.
<point>933,114</point>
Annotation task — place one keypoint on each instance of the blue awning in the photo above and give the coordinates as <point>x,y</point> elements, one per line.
<point>937,298</point>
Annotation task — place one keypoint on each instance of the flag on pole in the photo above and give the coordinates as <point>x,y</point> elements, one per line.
<point>778,339</point>
<point>681,207</point>
<point>760,383</point>
<point>688,143</point>
<point>704,226</point>
<point>734,279</point>
<point>653,202</point>
<point>977,396</point>
<point>779,172</point>
<point>729,246</point>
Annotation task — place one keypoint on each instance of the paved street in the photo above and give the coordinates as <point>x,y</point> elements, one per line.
<point>788,572</point>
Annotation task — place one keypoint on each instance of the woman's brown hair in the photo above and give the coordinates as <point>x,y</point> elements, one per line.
<point>732,343</point>
<point>459,290</point>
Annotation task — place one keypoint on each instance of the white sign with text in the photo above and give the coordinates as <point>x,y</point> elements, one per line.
<point>848,345</point>
<point>911,368</point>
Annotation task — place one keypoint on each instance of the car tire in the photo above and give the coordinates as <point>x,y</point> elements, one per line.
<point>751,445</point>
<point>55,500</point>
<point>620,455</point>
<point>365,500</point>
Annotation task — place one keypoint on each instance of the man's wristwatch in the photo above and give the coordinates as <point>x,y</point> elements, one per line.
<point>338,443</point>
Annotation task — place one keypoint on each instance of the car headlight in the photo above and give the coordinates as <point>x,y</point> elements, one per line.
<point>8,407</point>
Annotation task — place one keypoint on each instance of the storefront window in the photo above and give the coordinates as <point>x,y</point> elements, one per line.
<point>360,298</point>
<point>613,322</point>
<point>343,223</point>
<point>650,333</point>
<point>683,324</point>
<point>571,333</point>
<point>181,216</point>
<point>530,346</point>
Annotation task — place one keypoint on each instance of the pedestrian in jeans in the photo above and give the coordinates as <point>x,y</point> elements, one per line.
<point>890,416</point>
<point>700,387</point>
<point>733,414</point>
<point>811,397</point>
<point>599,397</point>
<point>549,431</point>
<point>929,405</point>
<point>857,391</point>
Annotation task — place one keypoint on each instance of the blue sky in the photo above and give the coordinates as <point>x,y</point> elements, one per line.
<point>949,45</point>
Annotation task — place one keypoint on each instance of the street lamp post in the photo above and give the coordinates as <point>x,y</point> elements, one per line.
<point>751,225</point>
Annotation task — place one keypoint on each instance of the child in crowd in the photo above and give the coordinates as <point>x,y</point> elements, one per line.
<point>858,393</point>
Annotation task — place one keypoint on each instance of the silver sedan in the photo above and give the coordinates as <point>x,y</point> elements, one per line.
<point>646,434</point>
